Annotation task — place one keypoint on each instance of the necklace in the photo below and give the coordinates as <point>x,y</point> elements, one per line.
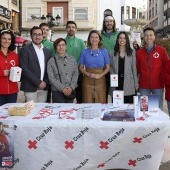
<point>95,55</point>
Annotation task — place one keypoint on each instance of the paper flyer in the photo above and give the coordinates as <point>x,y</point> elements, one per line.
<point>6,144</point>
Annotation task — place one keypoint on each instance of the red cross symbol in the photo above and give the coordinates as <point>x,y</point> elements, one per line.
<point>69,144</point>
<point>156,55</point>
<point>114,77</point>
<point>101,165</point>
<point>141,118</point>
<point>117,95</point>
<point>3,117</point>
<point>69,117</point>
<point>132,162</point>
<point>137,140</point>
<point>32,144</point>
<point>104,145</point>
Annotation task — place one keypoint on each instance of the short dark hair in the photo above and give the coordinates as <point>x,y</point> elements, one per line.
<point>100,37</point>
<point>12,45</point>
<point>57,41</point>
<point>71,22</point>
<point>149,29</point>
<point>35,28</point>
<point>44,24</point>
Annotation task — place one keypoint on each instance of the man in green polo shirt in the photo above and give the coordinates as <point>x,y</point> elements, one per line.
<point>47,43</point>
<point>109,34</point>
<point>74,47</point>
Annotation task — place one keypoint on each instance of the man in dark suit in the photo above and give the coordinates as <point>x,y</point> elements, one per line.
<point>33,61</point>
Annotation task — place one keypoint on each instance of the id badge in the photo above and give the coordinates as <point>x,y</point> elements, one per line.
<point>114,80</point>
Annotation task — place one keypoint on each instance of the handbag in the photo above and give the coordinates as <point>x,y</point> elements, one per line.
<point>73,93</point>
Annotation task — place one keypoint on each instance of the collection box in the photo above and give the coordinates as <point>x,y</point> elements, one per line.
<point>15,74</point>
<point>118,98</point>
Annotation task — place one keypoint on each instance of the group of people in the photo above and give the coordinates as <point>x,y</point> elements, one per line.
<point>69,65</point>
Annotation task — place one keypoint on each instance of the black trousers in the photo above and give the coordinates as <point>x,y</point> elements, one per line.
<point>49,94</point>
<point>78,89</point>
<point>59,97</point>
<point>107,85</point>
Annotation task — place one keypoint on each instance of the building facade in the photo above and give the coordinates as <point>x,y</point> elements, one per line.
<point>155,16</point>
<point>83,12</point>
<point>9,15</point>
<point>121,10</point>
<point>166,18</point>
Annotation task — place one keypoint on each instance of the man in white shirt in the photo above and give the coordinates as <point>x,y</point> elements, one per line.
<point>33,61</point>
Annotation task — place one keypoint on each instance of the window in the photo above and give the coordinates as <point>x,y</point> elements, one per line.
<point>133,12</point>
<point>156,9</point>
<point>81,13</point>
<point>122,14</point>
<point>156,22</point>
<point>127,12</point>
<point>165,1</point>
<point>150,14</point>
<point>58,11</point>
<point>34,12</point>
<point>14,2</point>
<point>153,12</point>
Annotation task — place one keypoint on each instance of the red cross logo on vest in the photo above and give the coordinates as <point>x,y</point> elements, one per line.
<point>117,96</point>
<point>156,55</point>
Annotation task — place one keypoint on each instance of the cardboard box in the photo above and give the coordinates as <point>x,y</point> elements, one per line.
<point>113,80</point>
<point>118,98</point>
<point>15,74</point>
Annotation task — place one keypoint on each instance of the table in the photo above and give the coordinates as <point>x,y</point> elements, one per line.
<point>45,141</point>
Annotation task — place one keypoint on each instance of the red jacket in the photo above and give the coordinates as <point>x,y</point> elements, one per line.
<point>165,77</point>
<point>7,86</point>
<point>149,67</point>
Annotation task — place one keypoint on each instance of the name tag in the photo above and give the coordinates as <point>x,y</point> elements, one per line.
<point>113,80</point>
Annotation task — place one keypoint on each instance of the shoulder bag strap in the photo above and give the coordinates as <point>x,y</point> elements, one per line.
<point>57,69</point>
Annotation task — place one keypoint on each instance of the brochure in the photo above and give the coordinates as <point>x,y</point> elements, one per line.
<point>120,115</point>
<point>146,105</point>
<point>6,144</point>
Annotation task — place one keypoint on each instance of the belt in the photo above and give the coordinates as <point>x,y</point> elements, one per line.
<point>95,71</point>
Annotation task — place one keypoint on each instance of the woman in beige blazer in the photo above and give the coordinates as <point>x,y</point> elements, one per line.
<point>123,63</point>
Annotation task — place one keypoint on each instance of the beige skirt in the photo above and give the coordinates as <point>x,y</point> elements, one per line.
<point>94,90</point>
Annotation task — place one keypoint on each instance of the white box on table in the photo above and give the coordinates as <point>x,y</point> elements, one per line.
<point>118,98</point>
<point>113,80</point>
<point>15,74</point>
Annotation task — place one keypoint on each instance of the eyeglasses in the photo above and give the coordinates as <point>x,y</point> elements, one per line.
<point>61,45</point>
<point>37,35</point>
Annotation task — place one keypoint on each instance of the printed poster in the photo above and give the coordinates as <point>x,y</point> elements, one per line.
<point>6,144</point>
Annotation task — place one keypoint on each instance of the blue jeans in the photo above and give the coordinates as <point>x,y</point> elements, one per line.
<point>158,92</point>
<point>168,104</point>
<point>8,98</point>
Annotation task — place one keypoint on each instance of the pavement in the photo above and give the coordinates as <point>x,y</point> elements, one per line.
<point>166,166</point>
